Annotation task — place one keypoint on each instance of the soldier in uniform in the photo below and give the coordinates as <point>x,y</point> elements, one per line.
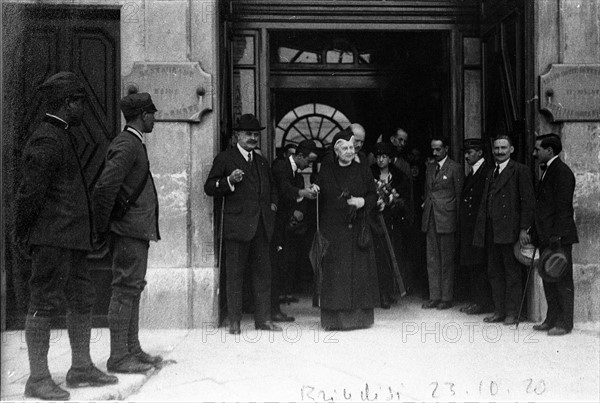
<point>127,172</point>
<point>54,221</point>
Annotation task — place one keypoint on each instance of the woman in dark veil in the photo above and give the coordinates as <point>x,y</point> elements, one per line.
<point>349,288</point>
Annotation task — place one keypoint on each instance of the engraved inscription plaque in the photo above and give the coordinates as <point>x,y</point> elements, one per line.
<point>180,91</point>
<point>571,92</point>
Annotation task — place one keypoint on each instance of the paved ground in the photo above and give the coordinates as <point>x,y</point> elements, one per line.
<point>409,354</point>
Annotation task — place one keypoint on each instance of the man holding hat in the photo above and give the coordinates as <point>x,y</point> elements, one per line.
<point>289,222</point>
<point>555,230</point>
<point>126,183</point>
<point>505,217</point>
<point>242,177</point>
<point>472,258</point>
<point>54,222</point>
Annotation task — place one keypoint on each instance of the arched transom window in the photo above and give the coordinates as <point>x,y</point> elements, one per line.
<point>313,121</point>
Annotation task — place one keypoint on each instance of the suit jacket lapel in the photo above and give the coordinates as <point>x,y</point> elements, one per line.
<point>505,175</point>
<point>476,177</point>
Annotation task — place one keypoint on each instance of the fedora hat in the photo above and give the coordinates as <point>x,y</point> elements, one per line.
<point>553,265</point>
<point>248,122</point>
<point>524,254</point>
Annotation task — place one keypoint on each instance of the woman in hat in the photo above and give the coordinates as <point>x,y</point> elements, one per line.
<point>349,289</point>
<point>393,190</point>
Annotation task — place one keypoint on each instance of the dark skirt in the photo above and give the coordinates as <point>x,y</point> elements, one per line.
<point>347,319</point>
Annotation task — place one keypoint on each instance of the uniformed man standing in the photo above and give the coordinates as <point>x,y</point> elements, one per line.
<point>54,221</point>
<point>127,176</point>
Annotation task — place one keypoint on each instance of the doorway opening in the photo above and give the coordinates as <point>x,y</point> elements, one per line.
<point>322,81</point>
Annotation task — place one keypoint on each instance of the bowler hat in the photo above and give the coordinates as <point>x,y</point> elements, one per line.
<point>136,103</point>
<point>553,265</point>
<point>525,253</point>
<point>472,144</point>
<point>248,122</point>
<point>62,85</point>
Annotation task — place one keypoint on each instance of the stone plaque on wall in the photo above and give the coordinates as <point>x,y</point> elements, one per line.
<point>180,91</point>
<point>571,92</point>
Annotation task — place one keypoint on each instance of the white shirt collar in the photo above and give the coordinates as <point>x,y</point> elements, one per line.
<point>502,165</point>
<point>477,165</point>
<point>243,152</point>
<point>441,163</point>
<point>550,161</point>
<point>294,166</point>
<point>136,132</point>
<point>57,118</point>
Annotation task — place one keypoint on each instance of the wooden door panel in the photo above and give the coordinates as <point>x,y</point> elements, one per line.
<point>85,41</point>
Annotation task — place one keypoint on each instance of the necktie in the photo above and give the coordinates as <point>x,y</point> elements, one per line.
<point>496,171</point>
<point>437,169</point>
<point>250,157</point>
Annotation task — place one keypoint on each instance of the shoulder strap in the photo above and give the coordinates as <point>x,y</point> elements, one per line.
<point>139,189</point>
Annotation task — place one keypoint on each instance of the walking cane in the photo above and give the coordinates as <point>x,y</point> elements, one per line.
<point>526,285</point>
<point>219,265</point>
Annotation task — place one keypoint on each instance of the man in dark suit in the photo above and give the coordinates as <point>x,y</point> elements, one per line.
<point>290,225</point>
<point>504,217</point>
<point>555,229</point>
<point>54,224</point>
<point>472,258</point>
<point>127,172</point>
<point>243,178</point>
<point>443,184</point>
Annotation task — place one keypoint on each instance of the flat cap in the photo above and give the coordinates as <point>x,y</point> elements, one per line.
<point>62,85</point>
<point>472,144</point>
<point>135,104</point>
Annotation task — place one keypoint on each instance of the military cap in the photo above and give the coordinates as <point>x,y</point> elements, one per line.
<point>136,103</point>
<point>472,144</point>
<point>384,149</point>
<point>62,85</point>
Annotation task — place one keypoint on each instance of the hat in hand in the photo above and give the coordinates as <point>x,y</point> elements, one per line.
<point>248,122</point>
<point>553,265</point>
<point>525,253</point>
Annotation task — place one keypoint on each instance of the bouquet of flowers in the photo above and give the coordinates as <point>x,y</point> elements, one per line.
<point>388,196</point>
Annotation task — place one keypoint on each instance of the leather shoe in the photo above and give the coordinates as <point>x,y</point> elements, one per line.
<point>234,327</point>
<point>268,325</point>
<point>431,304</point>
<point>495,318</point>
<point>510,320</point>
<point>90,376</point>
<point>542,327</point>
<point>282,317</point>
<point>466,308</point>
<point>45,389</point>
<point>386,305</point>
<point>129,364</point>
<point>444,305</point>
<point>558,331</point>
<point>147,358</point>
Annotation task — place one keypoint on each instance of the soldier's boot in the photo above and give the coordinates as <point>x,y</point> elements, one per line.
<point>133,341</point>
<point>82,371</point>
<point>40,384</point>
<point>119,317</point>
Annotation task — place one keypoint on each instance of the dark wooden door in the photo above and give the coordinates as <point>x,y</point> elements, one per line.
<point>507,69</point>
<point>44,41</point>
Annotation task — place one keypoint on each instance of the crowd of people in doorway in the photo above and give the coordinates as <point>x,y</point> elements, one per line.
<point>370,215</point>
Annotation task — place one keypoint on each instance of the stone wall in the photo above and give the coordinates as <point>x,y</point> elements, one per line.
<point>568,32</point>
